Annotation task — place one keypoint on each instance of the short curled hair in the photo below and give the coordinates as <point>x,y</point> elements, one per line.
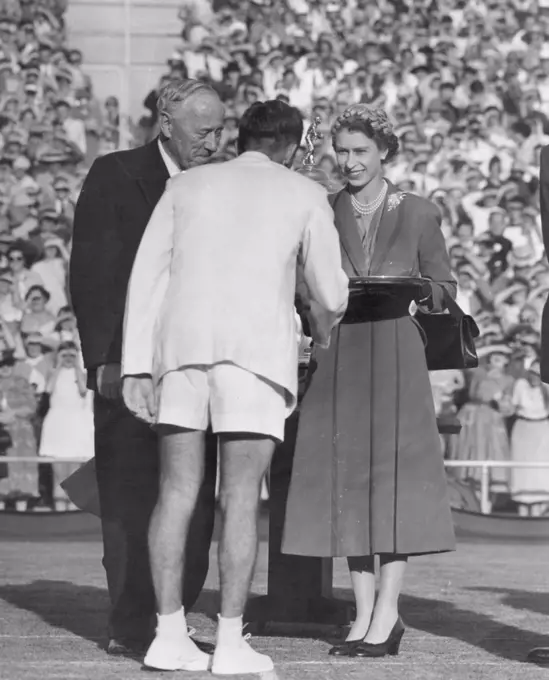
<point>273,121</point>
<point>178,91</point>
<point>374,123</point>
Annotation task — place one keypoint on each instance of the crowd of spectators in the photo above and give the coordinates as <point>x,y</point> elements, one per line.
<point>466,83</point>
<point>51,128</point>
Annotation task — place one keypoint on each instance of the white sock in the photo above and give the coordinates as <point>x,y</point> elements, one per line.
<point>229,631</point>
<point>172,625</point>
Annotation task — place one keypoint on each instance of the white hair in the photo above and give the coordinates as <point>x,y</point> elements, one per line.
<point>179,91</point>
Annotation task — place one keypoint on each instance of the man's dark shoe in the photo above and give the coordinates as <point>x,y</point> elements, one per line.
<point>131,648</point>
<point>539,655</point>
<point>206,647</point>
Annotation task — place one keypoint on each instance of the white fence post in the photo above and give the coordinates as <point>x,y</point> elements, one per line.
<point>485,504</point>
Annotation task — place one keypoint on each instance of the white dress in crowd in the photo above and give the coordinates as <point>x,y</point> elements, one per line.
<point>68,430</point>
<point>54,275</point>
<point>530,443</point>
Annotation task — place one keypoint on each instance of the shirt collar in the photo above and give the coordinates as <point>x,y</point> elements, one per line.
<point>171,167</point>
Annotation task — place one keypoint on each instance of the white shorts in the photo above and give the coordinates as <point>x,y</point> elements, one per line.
<point>225,396</point>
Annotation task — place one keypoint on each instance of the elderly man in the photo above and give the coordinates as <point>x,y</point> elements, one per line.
<point>117,200</point>
<point>210,339</point>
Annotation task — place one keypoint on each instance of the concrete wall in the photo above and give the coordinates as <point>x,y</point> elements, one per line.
<point>125,43</point>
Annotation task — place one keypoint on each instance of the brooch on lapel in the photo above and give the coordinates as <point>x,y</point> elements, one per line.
<point>395,200</point>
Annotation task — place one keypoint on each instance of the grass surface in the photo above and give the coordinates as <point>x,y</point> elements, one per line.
<point>471,615</point>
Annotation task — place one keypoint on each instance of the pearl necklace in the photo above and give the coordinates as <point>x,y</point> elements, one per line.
<point>369,208</point>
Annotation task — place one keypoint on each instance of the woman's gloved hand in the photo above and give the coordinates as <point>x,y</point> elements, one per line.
<point>424,298</point>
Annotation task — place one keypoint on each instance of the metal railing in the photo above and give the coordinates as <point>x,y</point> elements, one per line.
<point>484,465</point>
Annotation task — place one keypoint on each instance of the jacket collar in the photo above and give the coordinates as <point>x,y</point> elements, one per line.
<point>347,227</point>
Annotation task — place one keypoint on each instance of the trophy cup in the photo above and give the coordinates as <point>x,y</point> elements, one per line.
<point>308,167</point>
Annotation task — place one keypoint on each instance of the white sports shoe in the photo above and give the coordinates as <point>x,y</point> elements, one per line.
<point>240,659</point>
<point>169,654</point>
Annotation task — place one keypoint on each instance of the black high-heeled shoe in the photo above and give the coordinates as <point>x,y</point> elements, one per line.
<point>346,648</point>
<point>388,648</point>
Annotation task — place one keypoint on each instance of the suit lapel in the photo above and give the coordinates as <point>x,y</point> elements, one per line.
<point>153,175</point>
<point>346,225</point>
<point>386,231</point>
<point>153,188</point>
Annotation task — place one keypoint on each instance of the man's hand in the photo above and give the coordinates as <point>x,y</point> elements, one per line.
<point>139,397</point>
<point>109,383</point>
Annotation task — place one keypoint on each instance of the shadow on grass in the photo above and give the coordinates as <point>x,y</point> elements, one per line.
<point>522,600</point>
<point>82,610</point>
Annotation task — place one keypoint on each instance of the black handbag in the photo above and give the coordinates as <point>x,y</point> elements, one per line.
<point>449,338</point>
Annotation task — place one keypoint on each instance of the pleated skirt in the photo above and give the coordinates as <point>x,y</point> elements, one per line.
<point>368,475</point>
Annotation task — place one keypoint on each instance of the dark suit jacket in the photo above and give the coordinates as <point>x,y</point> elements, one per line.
<point>114,207</point>
<point>544,201</point>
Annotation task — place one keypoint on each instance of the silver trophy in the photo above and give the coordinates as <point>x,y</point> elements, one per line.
<point>308,167</point>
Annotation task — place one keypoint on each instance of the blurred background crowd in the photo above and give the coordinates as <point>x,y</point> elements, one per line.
<point>466,83</point>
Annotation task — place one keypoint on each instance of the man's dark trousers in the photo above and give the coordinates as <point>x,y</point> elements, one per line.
<point>127,467</point>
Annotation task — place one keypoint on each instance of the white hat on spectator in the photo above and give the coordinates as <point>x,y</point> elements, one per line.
<point>544,52</point>
<point>197,34</point>
<point>489,328</point>
<point>522,256</point>
<point>299,6</point>
<point>35,338</point>
<point>176,58</point>
<point>21,200</point>
<point>21,163</point>
<point>488,350</point>
<point>531,364</point>
<point>54,242</point>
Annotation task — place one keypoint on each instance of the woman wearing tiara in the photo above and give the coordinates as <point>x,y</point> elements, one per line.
<point>368,476</point>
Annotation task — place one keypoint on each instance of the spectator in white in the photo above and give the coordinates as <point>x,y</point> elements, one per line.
<point>63,205</point>
<point>509,304</point>
<point>80,79</point>
<point>74,128</point>
<point>326,84</point>
<point>53,272</point>
<point>475,146</point>
<point>435,123</point>
<point>273,70</point>
<point>297,95</point>
<point>118,124</point>
<point>68,430</point>
<point>63,80</point>
<point>526,141</point>
<point>23,278</point>
<point>37,318</point>
<point>37,365</point>
<point>9,312</point>
<point>529,442</point>
<point>47,68</point>
<point>23,182</point>
<point>22,215</point>
<point>66,330</point>
<point>204,59</point>
<point>10,338</point>
<point>197,11</point>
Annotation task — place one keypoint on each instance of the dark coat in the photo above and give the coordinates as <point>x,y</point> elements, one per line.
<point>544,204</point>
<point>112,212</point>
<point>368,475</point>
